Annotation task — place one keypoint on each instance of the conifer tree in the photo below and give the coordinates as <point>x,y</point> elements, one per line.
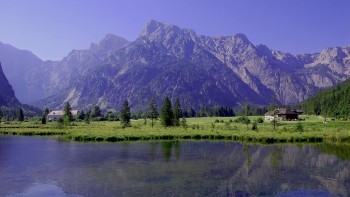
<point>67,112</point>
<point>166,115</point>
<point>19,115</point>
<point>43,119</point>
<point>96,112</point>
<point>87,117</point>
<point>125,114</point>
<point>80,115</point>
<point>46,112</point>
<point>184,123</point>
<point>177,113</point>
<point>153,115</point>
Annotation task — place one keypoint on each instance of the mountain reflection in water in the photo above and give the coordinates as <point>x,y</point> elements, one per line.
<point>185,168</point>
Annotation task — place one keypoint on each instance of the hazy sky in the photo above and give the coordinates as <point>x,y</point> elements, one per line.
<point>52,28</point>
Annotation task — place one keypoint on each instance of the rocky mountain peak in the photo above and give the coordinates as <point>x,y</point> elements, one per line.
<point>110,42</point>
<point>242,37</point>
<point>332,54</point>
<point>156,29</point>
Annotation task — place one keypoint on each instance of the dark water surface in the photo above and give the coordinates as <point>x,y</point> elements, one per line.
<point>32,166</point>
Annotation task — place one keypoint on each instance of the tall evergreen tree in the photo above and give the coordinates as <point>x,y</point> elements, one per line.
<point>68,112</point>
<point>177,113</point>
<point>43,119</point>
<point>1,114</point>
<point>125,114</point>
<point>19,115</point>
<point>191,113</point>
<point>246,110</point>
<point>96,112</point>
<point>87,117</point>
<point>166,115</point>
<point>80,115</point>
<point>46,112</point>
<point>184,122</point>
<point>153,114</point>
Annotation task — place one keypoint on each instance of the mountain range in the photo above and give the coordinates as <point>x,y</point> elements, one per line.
<point>166,60</point>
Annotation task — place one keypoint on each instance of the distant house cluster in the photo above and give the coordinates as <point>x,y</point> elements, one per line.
<point>55,115</point>
<point>284,114</point>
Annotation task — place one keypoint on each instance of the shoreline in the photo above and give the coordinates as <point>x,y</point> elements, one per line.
<point>198,129</point>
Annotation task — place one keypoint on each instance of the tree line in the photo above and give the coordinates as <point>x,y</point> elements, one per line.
<point>170,114</point>
<point>11,114</point>
<point>334,102</point>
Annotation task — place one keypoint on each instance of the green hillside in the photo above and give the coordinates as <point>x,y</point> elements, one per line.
<point>333,102</point>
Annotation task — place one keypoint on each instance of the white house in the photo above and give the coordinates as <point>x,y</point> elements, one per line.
<point>54,115</point>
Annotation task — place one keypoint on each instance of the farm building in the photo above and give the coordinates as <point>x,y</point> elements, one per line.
<point>283,114</point>
<point>54,115</point>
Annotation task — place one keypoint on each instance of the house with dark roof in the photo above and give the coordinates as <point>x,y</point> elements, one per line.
<point>283,114</point>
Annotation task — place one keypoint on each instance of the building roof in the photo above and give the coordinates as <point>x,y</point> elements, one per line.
<point>269,113</point>
<point>61,113</point>
<point>56,113</point>
<point>285,111</point>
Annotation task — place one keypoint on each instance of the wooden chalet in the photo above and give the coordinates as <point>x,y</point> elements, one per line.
<point>284,114</point>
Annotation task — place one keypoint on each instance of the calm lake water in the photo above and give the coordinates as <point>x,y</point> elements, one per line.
<point>31,166</point>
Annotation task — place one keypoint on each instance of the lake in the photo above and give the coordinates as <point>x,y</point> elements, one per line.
<point>33,166</point>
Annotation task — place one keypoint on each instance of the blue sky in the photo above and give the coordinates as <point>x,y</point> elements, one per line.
<point>52,28</point>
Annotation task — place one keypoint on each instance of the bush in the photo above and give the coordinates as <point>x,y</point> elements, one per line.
<point>299,127</point>
<point>255,126</point>
<point>217,120</point>
<point>228,126</point>
<point>59,124</point>
<point>241,119</point>
<point>66,120</point>
<point>260,120</point>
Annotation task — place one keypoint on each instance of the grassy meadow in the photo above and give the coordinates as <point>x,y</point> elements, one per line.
<point>210,128</point>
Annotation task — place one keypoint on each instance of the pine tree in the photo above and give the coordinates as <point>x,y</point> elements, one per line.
<point>166,114</point>
<point>153,114</point>
<point>184,123</point>
<point>80,115</point>
<point>46,112</point>
<point>96,112</point>
<point>87,117</point>
<point>20,115</point>
<point>177,113</point>
<point>246,110</point>
<point>43,119</point>
<point>125,114</point>
<point>67,112</point>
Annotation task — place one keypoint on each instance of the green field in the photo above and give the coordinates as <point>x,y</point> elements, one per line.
<point>213,128</point>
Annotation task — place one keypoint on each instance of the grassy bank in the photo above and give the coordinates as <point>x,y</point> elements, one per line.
<point>215,128</point>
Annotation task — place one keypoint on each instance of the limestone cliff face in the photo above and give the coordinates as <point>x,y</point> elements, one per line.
<point>166,60</point>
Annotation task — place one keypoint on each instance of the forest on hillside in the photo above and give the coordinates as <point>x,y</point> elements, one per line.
<point>333,102</point>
